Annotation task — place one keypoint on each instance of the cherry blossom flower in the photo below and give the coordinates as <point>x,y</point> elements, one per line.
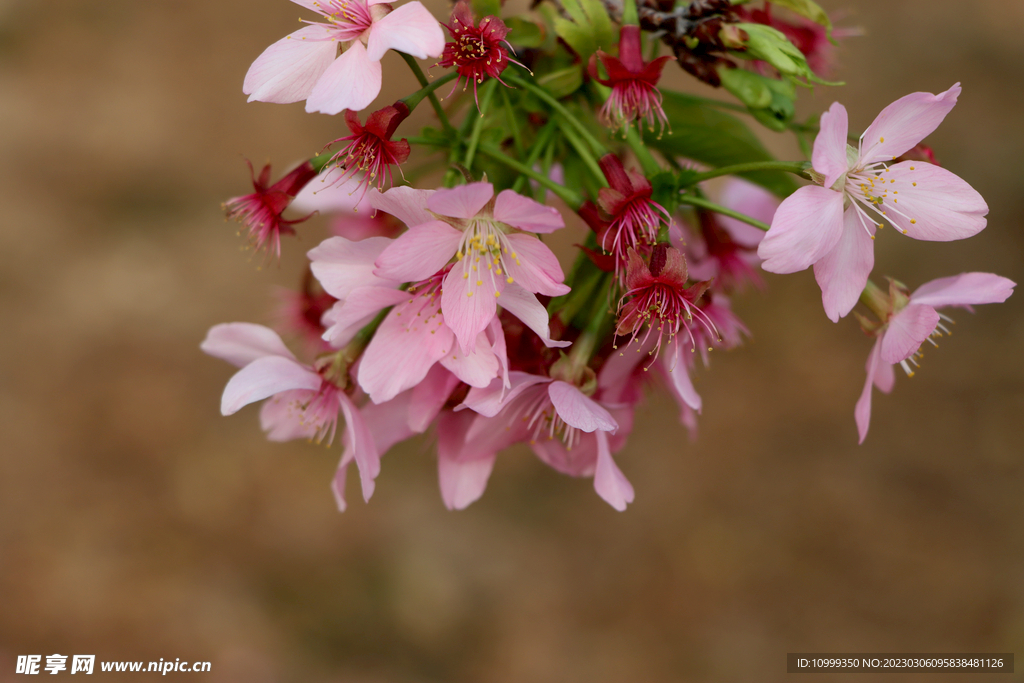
<point>832,227</point>
<point>306,66</point>
<point>303,403</point>
<point>911,320</point>
<point>370,152</point>
<point>658,300</point>
<point>494,263</point>
<point>634,83</point>
<point>476,51</point>
<point>565,428</point>
<point>628,218</point>
<point>347,208</point>
<point>260,212</point>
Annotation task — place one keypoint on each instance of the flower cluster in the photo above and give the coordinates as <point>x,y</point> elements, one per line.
<point>444,309</point>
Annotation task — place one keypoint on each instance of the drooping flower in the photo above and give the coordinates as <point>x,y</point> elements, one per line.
<point>907,321</point>
<point>628,217</point>
<point>306,66</point>
<point>657,300</point>
<point>260,212</point>
<point>304,402</point>
<point>832,227</point>
<point>493,262</point>
<point>476,51</point>
<point>565,428</point>
<point>370,152</point>
<point>634,83</point>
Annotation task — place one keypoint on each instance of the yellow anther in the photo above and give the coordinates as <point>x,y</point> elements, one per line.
<point>497,294</point>
<point>914,184</point>
<point>469,293</point>
<point>913,220</point>
<point>911,168</point>
<point>479,282</point>
<point>509,280</point>
<point>881,139</point>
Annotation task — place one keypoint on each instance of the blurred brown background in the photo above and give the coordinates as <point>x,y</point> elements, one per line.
<point>137,523</point>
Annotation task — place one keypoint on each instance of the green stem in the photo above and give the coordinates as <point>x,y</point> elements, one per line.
<point>513,123</point>
<point>876,299</point>
<point>422,78</point>
<point>585,155</point>
<point>643,155</point>
<point>560,109</point>
<point>711,206</point>
<point>539,145</point>
<point>478,126</point>
<point>414,99</point>
<point>319,162</point>
<point>573,199</point>
<point>797,167</point>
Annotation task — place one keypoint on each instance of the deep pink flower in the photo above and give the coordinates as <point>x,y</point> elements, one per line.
<point>628,218</point>
<point>566,429</point>
<point>476,52</point>
<point>913,320</point>
<point>634,83</point>
<point>306,66</point>
<point>832,227</point>
<point>261,211</point>
<point>303,402</point>
<point>493,262</point>
<point>657,300</point>
<point>370,152</point>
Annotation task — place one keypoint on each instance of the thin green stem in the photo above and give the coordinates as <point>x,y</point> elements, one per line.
<point>513,123</point>
<point>797,167</point>
<point>422,78</point>
<point>414,99</point>
<point>711,206</point>
<point>573,199</point>
<point>541,143</point>
<point>478,126</point>
<point>585,155</point>
<point>643,155</point>
<point>560,109</point>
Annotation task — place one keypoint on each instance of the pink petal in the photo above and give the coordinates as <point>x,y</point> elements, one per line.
<point>464,201</point>
<point>468,308</point>
<point>496,338</point>
<point>242,343</point>
<point>403,349</point>
<point>579,461</point>
<point>753,200</point>
<point>806,227</point>
<point>265,377</point>
<point>609,481</point>
<point>522,212</point>
<point>829,157</point>
<point>843,272</point>
<point>462,480</point>
<point>419,253</point>
<point>346,318</point>
<point>429,397</point>
<point>359,441</point>
<point>338,482</point>
<point>351,82</point>
<point>578,411</point>
<point>477,368</point>
<point>862,412</point>
<point>904,123</point>
<point>342,265</point>
<point>943,206</point>
<point>404,203</point>
<point>280,419</point>
<point>326,196</point>
<point>964,290</point>
<point>524,305</point>
<point>389,422</point>
<point>906,332</point>
<point>411,29</point>
<point>288,69</point>
<point>679,377</point>
<point>533,266</point>
<point>490,400</point>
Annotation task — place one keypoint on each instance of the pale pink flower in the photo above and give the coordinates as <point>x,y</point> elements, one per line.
<point>306,66</point>
<point>494,263</point>
<point>914,320</point>
<point>565,428</point>
<point>832,227</point>
<point>303,402</point>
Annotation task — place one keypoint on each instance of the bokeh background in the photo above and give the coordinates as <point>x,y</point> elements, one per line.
<point>137,523</point>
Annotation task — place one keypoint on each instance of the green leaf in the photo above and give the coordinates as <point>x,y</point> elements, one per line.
<point>590,27</point>
<point>809,9</point>
<point>562,82</point>
<point>525,33</point>
<point>717,139</point>
<point>748,87</point>
<point>483,8</point>
<point>771,45</point>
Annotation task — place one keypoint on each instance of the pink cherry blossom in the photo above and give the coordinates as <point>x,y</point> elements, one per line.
<point>303,402</point>
<point>914,320</point>
<point>306,66</point>
<point>496,260</point>
<point>832,227</point>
